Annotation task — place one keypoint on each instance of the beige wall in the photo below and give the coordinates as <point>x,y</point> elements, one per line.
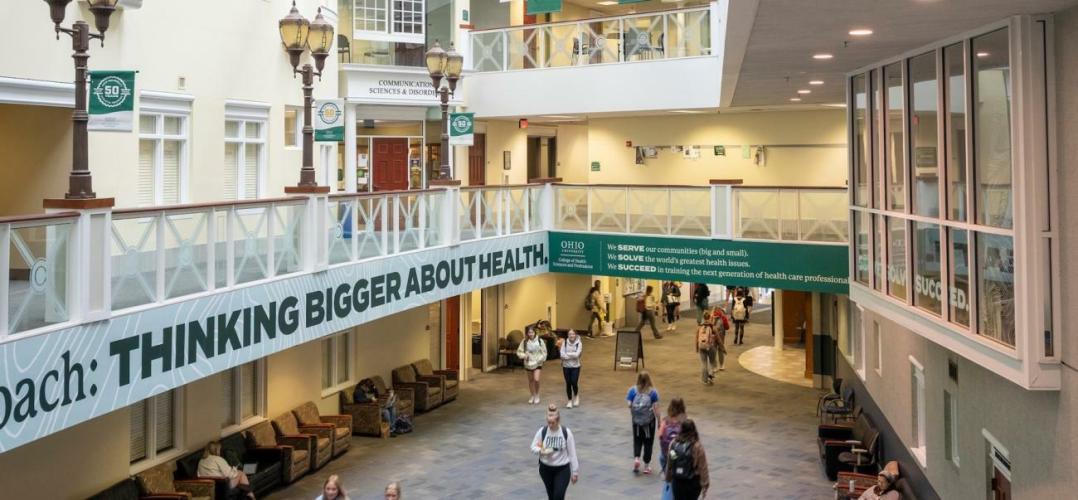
<point>36,141</point>
<point>526,301</point>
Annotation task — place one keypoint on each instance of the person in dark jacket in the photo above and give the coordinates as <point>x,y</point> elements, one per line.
<point>686,468</point>
<point>700,294</point>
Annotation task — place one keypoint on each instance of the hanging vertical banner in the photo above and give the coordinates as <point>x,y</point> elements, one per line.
<point>112,101</point>
<point>329,120</point>
<point>542,6</point>
<point>461,129</point>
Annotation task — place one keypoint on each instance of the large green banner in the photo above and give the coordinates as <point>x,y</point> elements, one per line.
<point>542,6</point>
<point>787,266</point>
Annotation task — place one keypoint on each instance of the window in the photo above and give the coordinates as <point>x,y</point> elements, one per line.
<point>371,20</point>
<point>894,142</point>
<point>879,236</point>
<point>162,159</point>
<point>862,146</point>
<point>950,427</point>
<point>293,126</point>
<point>154,426</point>
<point>927,288</point>
<point>860,231</point>
<point>924,135</point>
<point>917,408</point>
<point>995,287</point>
<point>992,128</point>
<point>958,298</point>
<point>244,158</point>
<point>877,339</point>
<point>955,101</point>
<point>243,394</point>
<point>857,339</point>
<point>337,360</point>
<point>896,257</point>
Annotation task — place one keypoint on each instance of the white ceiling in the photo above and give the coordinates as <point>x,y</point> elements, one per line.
<point>767,64</point>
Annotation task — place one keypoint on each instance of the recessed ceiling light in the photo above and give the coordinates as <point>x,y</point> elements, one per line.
<point>686,111</point>
<point>823,56</point>
<point>983,54</point>
<point>816,82</point>
<point>561,117</point>
<point>861,32</point>
<point>607,2</point>
<point>804,91</point>
<point>836,105</point>
<point>795,99</point>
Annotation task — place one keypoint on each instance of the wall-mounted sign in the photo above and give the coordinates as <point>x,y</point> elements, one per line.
<point>720,150</point>
<point>402,86</point>
<point>112,101</point>
<point>461,129</point>
<point>594,166</point>
<point>543,7</point>
<point>329,120</point>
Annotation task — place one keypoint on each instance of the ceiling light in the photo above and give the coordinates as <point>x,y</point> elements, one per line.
<point>560,117</point>
<point>823,56</point>
<point>686,111</point>
<point>836,105</point>
<point>983,54</point>
<point>816,82</point>
<point>795,99</point>
<point>804,91</point>
<point>608,2</point>
<point>861,32</point>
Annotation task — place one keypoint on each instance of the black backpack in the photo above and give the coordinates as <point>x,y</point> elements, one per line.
<point>681,460</point>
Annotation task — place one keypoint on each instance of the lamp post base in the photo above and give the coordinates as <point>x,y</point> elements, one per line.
<point>77,203</point>
<point>306,189</point>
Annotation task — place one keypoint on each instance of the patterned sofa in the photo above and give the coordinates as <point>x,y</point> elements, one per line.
<point>128,490</point>
<point>367,416</point>
<point>450,378</point>
<point>268,465</point>
<point>321,437</point>
<point>308,417</point>
<point>295,450</point>
<point>427,390</point>
<point>160,480</point>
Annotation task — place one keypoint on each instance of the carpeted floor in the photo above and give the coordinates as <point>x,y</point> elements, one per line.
<point>759,433</point>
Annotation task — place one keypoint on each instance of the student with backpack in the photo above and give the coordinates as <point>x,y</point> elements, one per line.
<point>556,448</point>
<point>687,464</point>
<point>739,311</point>
<point>668,431</point>
<point>595,303</point>
<point>700,299</point>
<point>647,306</point>
<point>643,402</point>
<point>571,349</point>
<point>709,341</point>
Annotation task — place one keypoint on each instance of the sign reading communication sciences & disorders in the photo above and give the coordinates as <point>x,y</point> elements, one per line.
<point>329,120</point>
<point>112,101</point>
<point>786,266</point>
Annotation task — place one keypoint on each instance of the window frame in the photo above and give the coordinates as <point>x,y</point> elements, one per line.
<point>389,34</point>
<point>238,423</point>
<point>154,457</point>
<point>296,130</point>
<point>330,356</point>
<point>950,426</point>
<point>919,445</point>
<point>877,337</point>
<point>158,138</point>
<point>241,140</point>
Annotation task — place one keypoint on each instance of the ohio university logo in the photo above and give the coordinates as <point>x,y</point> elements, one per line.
<point>461,124</point>
<point>111,91</point>
<point>329,113</point>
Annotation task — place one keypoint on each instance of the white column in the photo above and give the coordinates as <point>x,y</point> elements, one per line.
<point>349,148</point>
<point>546,206</point>
<point>776,306</point>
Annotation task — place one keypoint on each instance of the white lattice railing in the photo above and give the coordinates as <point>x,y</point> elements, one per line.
<point>791,214</point>
<point>668,34</point>
<point>658,210</point>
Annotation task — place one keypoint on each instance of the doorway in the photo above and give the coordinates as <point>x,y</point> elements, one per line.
<point>542,157</point>
<point>452,332</point>
<point>390,162</point>
<point>1000,473</point>
<point>477,161</point>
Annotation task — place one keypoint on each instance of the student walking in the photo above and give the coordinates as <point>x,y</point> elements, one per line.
<point>670,300</point>
<point>393,491</point>
<point>708,343</point>
<point>533,351</point>
<point>722,325</point>
<point>556,448</point>
<point>739,311</point>
<point>687,467</point>
<point>596,304</point>
<point>668,431</point>
<point>643,402</point>
<point>700,299</point>
<point>570,367</point>
<point>647,310</point>
<point>332,489</point>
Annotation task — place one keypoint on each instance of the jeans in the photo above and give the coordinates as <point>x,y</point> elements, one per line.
<point>707,363</point>
<point>389,414</point>
<point>700,310</point>
<point>572,379</point>
<point>739,331</point>
<point>649,318</point>
<point>670,308</point>
<point>686,489</point>
<point>644,438</point>
<point>556,480</point>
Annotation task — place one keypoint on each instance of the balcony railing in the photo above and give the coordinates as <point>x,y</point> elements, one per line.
<point>668,34</point>
<point>67,268</point>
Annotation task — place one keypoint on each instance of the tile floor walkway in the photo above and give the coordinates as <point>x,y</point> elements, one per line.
<point>759,433</point>
<point>787,365</point>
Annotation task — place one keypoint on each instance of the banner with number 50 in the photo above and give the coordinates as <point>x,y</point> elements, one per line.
<point>112,101</point>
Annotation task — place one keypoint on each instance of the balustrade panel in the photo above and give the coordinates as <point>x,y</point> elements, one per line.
<point>37,273</point>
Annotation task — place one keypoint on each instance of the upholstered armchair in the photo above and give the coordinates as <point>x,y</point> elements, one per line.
<point>428,391</point>
<point>160,480</point>
<point>296,450</point>
<point>405,396</point>
<point>321,436</point>
<point>450,378</point>
<point>835,440</point>
<point>308,417</point>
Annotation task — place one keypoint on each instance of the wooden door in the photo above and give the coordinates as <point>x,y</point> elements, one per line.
<point>477,161</point>
<point>1001,485</point>
<point>390,164</point>
<point>451,325</point>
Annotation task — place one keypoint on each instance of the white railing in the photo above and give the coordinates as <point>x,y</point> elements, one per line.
<point>72,267</point>
<point>638,37</point>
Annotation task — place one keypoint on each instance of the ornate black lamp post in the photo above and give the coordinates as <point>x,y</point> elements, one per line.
<point>80,185</point>
<point>299,35</point>
<point>448,65</point>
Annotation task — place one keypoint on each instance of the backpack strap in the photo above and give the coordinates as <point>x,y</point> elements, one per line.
<point>544,433</point>
<point>565,434</point>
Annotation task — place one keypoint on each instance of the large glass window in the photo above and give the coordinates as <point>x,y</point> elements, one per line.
<point>896,257</point>
<point>860,231</point>
<point>387,20</point>
<point>992,126</point>
<point>894,133</point>
<point>242,393</point>
<point>924,135</point>
<point>337,360</point>
<point>955,101</point>
<point>927,288</point>
<point>862,144</point>
<point>877,121</point>
<point>995,287</point>
<point>879,237</point>
<point>958,258</point>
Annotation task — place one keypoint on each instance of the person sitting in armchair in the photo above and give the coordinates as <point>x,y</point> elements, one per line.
<point>885,485</point>
<point>366,392</point>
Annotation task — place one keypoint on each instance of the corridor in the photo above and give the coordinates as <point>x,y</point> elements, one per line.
<point>758,432</point>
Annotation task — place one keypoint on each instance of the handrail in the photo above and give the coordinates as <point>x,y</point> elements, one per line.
<point>372,194</point>
<point>790,188</point>
<point>589,20</point>
<point>643,186</point>
<point>499,186</point>
<point>15,219</point>
<point>197,206</point>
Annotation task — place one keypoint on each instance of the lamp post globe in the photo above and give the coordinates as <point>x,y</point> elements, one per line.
<point>294,30</point>
<point>320,39</point>
<point>57,10</point>
<point>436,62</point>
<point>102,10</point>
<point>453,67</point>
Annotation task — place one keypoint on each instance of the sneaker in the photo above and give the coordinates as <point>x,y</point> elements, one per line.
<point>658,336</point>
<point>722,368</point>
<point>576,400</point>
<point>636,466</point>
<point>569,404</point>
<point>647,469</point>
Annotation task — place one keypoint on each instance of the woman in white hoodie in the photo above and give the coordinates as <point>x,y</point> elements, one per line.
<point>557,455</point>
<point>533,351</point>
<point>570,367</point>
